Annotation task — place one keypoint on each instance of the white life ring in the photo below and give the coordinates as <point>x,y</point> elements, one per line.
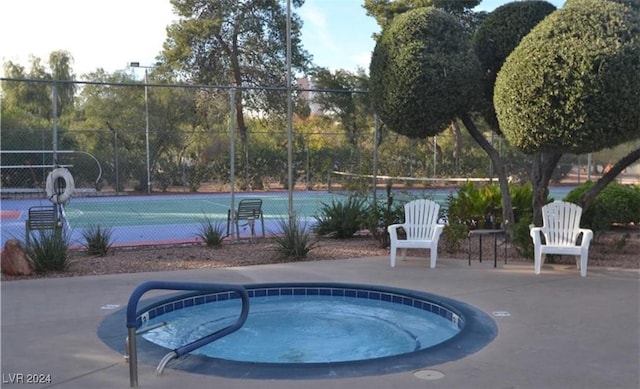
<point>52,188</point>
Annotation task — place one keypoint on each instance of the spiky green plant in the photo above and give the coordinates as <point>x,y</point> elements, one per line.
<point>49,250</point>
<point>294,240</point>
<point>97,240</point>
<point>212,234</point>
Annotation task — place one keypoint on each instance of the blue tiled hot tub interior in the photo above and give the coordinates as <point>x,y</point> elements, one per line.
<point>391,297</point>
<point>476,330</point>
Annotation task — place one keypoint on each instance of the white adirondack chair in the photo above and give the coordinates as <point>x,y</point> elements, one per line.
<point>421,227</point>
<point>561,230</point>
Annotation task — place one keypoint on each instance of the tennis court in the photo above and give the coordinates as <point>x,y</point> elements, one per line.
<point>177,218</point>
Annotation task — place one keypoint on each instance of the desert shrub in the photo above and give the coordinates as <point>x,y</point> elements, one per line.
<point>294,240</point>
<point>212,234</point>
<point>616,203</point>
<point>49,250</point>
<point>341,219</point>
<point>97,240</point>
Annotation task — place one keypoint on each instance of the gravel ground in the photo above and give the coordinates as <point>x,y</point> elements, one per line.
<point>608,251</point>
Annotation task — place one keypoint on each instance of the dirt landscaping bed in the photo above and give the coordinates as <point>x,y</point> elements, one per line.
<point>619,248</point>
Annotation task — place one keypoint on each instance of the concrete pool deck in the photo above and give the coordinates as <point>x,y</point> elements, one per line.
<point>556,330</point>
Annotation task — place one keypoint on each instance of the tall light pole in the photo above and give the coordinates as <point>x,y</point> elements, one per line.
<point>146,117</point>
<point>289,117</point>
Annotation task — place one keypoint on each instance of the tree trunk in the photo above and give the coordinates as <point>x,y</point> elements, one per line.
<point>244,136</point>
<point>457,140</point>
<point>507,208</point>
<point>543,166</point>
<point>587,197</point>
<point>234,54</point>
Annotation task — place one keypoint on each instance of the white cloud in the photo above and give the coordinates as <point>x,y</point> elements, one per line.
<point>316,32</point>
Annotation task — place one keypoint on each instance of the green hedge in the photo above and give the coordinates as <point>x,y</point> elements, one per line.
<point>615,204</point>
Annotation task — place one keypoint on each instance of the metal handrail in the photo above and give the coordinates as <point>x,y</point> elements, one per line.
<point>139,332</point>
<point>132,322</point>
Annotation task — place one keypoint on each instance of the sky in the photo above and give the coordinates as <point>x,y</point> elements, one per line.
<point>111,34</point>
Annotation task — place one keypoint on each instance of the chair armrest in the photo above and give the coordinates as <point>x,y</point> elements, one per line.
<point>437,231</point>
<point>587,235</point>
<point>535,233</point>
<point>393,230</point>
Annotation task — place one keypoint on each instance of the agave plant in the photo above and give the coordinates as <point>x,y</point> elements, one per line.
<point>49,250</point>
<point>97,240</point>
<point>212,234</point>
<point>295,240</point>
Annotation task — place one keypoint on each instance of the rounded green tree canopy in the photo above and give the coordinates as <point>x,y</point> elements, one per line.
<point>572,83</point>
<point>423,72</point>
<point>497,36</point>
<point>502,30</point>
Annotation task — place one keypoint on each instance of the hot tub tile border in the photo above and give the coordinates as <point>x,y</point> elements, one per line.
<point>378,295</point>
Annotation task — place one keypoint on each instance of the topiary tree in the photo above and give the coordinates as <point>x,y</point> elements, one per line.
<point>424,75</point>
<point>497,36</point>
<point>384,11</point>
<point>572,85</point>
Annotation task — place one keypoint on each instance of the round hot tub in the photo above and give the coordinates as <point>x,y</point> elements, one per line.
<point>312,330</point>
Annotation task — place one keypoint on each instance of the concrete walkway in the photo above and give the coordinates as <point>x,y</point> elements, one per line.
<point>562,330</point>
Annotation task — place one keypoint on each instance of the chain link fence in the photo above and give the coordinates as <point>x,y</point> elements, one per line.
<point>148,139</point>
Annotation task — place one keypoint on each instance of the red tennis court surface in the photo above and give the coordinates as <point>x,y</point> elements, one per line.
<point>10,214</point>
